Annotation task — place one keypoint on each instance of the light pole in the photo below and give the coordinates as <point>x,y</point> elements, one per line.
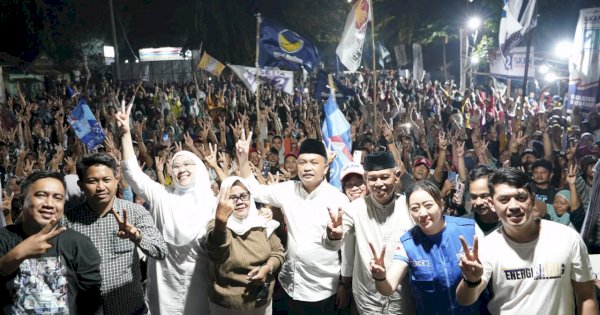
<point>466,64</point>
<point>114,36</point>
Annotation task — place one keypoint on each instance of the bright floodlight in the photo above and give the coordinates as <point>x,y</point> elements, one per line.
<point>474,23</point>
<point>563,49</point>
<point>550,77</point>
<point>475,60</point>
<point>126,60</point>
<point>543,69</point>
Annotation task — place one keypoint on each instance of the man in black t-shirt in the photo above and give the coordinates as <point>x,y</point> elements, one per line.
<point>45,268</point>
<point>542,172</point>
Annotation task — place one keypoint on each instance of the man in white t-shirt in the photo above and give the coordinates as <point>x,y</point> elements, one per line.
<point>531,264</point>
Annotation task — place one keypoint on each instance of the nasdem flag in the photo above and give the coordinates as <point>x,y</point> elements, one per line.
<point>349,50</point>
<point>336,134</point>
<point>85,125</point>
<point>284,48</point>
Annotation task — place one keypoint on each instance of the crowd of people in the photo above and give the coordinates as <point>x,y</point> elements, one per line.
<point>203,200</point>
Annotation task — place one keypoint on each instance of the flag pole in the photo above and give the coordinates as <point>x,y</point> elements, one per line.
<point>526,73</point>
<point>374,67</point>
<point>258,20</point>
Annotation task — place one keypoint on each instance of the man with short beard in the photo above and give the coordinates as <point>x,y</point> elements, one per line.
<point>379,220</point>
<point>542,172</point>
<point>481,198</point>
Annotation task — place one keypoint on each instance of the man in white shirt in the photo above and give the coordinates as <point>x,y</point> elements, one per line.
<point>531,264</point>
<point>379,218</point>
<point>310,273</point>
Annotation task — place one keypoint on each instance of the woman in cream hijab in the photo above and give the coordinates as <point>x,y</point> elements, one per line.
<point>178,284</point>
<point>243,252</point>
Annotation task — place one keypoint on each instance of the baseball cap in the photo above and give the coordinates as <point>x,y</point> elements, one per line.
<point>531,151</point>
<point>421,160</point>
<point>351,168</point>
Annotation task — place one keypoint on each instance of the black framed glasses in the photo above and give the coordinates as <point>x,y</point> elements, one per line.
<point>242,197</point>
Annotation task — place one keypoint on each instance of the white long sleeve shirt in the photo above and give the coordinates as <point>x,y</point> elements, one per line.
<point>310,272</point>
<point>367,221</point>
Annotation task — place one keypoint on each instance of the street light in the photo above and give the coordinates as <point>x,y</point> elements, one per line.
<point>551,77</point>
<point>475,60</point>
<point>563,49</point>
<point>474,23</point>
<point>543,69</point>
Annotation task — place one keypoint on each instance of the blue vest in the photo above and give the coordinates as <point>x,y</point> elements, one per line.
<point>434,270</point>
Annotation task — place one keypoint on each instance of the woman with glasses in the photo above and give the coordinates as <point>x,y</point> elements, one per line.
<point>430,253</point>
<point>244,253</point>
<point>178,284</point>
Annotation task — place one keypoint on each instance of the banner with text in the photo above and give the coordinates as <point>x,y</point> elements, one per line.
<point>512,65</point>
<point>280,79</point>
<point>584,62</point>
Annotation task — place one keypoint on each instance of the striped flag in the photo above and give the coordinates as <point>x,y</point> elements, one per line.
<point>336,134</point>
<point>210,64</point>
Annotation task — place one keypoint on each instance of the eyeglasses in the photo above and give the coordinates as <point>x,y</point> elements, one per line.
<point>185,165</point>
<point>242,197</point>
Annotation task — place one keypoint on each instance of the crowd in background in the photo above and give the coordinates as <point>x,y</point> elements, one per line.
<point>433,130</point>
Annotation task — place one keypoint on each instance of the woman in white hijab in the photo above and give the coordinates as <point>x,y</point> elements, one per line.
<point>178,284</point>
<point>243,253</point>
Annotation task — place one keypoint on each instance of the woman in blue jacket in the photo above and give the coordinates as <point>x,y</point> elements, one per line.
<point>431,252</point>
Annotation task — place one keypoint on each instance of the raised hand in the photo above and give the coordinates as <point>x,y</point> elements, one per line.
<point>211,157</point>
<point>122,117</point>
<point>225,207</point>
<point>572,174</point>
<point>335,228</point>
<point>126,229</point>
<point>442,141</point>
<point>38,244</point>
<point>377,263</point>
<point>189,142</point>
<point>242,147</point>
<point>471,267</point>
<point>178,147</point>
<point>160,163</point>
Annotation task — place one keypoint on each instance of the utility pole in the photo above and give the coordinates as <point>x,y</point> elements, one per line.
<point>114,36</point>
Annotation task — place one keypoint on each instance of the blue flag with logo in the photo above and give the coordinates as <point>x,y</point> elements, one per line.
<point>336,134</point>
<point>85,125</point>
<point>321,86</point>
<point>284,48</point>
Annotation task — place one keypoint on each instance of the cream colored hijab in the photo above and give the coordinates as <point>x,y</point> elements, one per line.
<point>253,219</point>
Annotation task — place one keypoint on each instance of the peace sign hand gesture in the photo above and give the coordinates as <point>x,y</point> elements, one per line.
<point>335,228</point>
<point>38,244</point>
<point>122,117</point>
<point>377,264</point>
<point>126,229</point>
<point>242,147</point>
<point>471,267</point>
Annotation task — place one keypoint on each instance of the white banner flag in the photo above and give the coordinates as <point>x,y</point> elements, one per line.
<point>512,26</point>
<point>280,79</point>
<point>584,61</point>
<point>400,52</point>
<point>417,62</point>
<point>349,50</point>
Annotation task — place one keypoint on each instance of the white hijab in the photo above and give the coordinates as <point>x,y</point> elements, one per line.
<point>188,213</point>
<point>253,219</point>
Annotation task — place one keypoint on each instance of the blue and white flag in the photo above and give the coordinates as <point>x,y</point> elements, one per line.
<point>85,125</point>
<point>284,48</point>
<point>336,134</point>
<point>518,17</point>
<point>321,86</point>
